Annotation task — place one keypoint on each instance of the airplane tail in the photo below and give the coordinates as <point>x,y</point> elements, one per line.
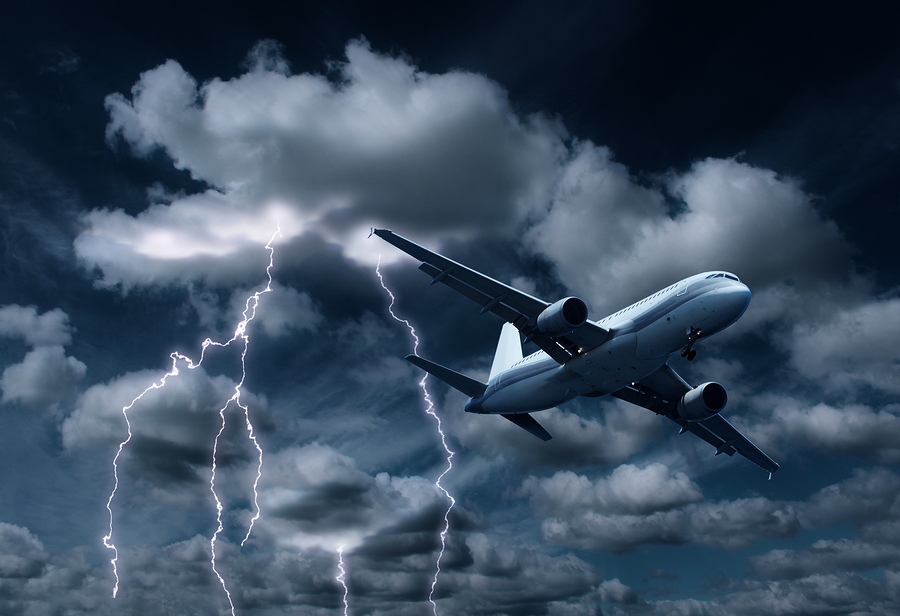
<point>509,349</point>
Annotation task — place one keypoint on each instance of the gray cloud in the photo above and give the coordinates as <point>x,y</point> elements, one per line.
<point>387,144</point>
<point>578,438</point>
<point>726,525</point>
<point>856,346</point>
<point>581,514</point>
<point>49,329</point>
<point>608,236</point>
<point>856,429</point>
<point>22,556</point>
<point>825,556</point>
<point>46,375</point>
<point>627,490</point>
<point>843,593</point>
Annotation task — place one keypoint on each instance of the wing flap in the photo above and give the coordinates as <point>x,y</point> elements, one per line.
<point>494,303</point>
<point>731,438</point>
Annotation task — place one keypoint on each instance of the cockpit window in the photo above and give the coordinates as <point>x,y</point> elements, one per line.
<point>721,275</point>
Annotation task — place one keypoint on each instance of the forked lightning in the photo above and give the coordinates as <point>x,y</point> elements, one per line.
<point>240,333</point>
<point>429,409</point>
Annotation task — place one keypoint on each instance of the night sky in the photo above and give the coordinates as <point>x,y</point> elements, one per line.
<point>605,150</point>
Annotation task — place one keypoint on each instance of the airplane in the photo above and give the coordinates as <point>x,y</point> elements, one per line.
<point>624,355</point>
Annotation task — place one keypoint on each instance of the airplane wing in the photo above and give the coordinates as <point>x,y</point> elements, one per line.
<point>662,390</point>
<point>513,305</point>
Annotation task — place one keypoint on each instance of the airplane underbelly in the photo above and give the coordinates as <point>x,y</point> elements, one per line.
<point>609,367</point>
<point>662,337</point>
<point>534,394</point>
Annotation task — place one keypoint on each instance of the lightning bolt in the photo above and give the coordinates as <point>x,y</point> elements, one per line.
<point>342,578</point>
<point>240,332</point>
<point>430,409</point>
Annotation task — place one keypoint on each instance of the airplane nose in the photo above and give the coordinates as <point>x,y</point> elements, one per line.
<point>739,297</point>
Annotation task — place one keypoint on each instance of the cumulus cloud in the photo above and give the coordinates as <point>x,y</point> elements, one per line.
<point>839,593</point>
<point>508,577</point>
<point>385,144</point>
<point>857,429</point>
<point>595,515</point>
<point>579,439</point>
<point>867,497</point>
<point>281,310</point>
<point>22,555</point>
<point>856,346</point>
<point>183,411</point>
<point>46,375</point>
<point>825,556</point>
<point>613,239</point>
<point>49,329</point>
<point>316,497</point>
<point>726,525</point>
<point>173,427</point>
<point>627,490</point>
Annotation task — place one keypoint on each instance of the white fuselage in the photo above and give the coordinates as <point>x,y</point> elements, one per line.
<point>643,337</point>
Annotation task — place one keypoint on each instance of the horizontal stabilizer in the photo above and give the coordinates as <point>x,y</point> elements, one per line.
<point>461,382</point>
<point>526,421</point>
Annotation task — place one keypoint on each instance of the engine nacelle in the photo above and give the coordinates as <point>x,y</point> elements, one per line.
<point>702,402</point>
<point>563,317</point>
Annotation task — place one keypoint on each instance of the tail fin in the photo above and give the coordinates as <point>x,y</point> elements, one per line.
<point>509,349</point>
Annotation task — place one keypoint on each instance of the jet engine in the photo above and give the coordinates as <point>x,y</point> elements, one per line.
<point>563,317</point>
<point>702,402</point>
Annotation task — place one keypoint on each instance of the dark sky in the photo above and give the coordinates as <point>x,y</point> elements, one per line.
<point>604,150</point>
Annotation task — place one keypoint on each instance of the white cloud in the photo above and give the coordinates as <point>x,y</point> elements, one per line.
<point>579,517</point>
<point>385,145</point>
<point>725,525</point>
<point>840,593</point>
<point>280,310</point>
<point>614,432</point>
<point>182,412</point>
<point>825,556</point>
<point>627,490</point>
<point>857,345</point>
<point>49,329</point>
<point>315,497</point>
<point>22,555</point>
<point>614,591</point>
<point>44,377</point>
<point>857,429</point>
<point>613,240</point>
<point>507,575</point>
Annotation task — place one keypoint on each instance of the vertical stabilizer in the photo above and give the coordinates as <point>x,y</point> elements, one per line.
<point>509,349</point>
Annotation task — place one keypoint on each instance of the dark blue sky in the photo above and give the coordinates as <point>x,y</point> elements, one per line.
<point>597,149</point>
